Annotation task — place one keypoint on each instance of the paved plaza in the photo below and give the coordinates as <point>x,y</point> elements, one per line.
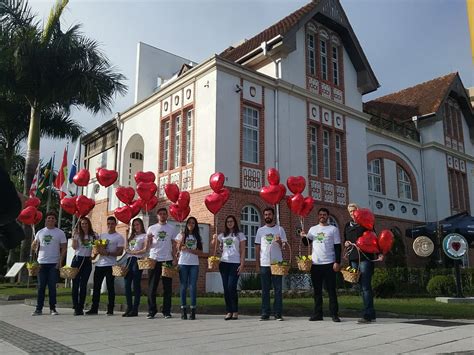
<point>21,333</point>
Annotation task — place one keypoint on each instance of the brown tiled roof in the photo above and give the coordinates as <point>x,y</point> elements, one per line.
<point>279,28</point>
<point>421,99</point>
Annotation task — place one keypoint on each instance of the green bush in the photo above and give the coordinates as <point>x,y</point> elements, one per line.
<point>382,285</point>
<point>250,281</point>
<point>441,285</point>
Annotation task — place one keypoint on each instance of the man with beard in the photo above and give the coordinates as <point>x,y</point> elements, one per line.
<point>268,243</point>
<point>326,258</point>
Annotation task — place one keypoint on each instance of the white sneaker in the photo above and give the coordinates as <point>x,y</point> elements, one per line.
<point>53,312</point>
<point>37,313</point>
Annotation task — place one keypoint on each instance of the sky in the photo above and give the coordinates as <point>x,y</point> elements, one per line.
<point>406,41</point>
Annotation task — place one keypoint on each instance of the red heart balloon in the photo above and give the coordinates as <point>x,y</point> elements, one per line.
<point>307,206</point>
<point>296,184</point>
<point>273,176</point>
<point>106,177</point>
<point>172,192</point>
<point>84,205</point>
<point>149,205</point>
<point>136,206</point>
<point>214,202</point>
<point>216,181</point>
<point>123,214</point>
<point>142,176</point>
<point>385,241</point>
<point>38,217</point>
<point>125,194</point>
<point>225,193</point>
<point>365,218</point>
<point>367,242</point>
<point>456,246</point>
<point>296,203</point>
<point>82,177</point>
<point>68,204</point>
<point>178,213</point>
<point>33,201</point>
<point>27,215</point>
<point>183,199</point>
<point>146,190</point>
<point>273,194</point>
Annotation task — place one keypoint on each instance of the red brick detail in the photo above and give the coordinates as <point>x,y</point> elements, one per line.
<point>381,154</point>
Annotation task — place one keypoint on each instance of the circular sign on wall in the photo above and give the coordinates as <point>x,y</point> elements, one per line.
<point>455,246</point>
<point>423,246</point>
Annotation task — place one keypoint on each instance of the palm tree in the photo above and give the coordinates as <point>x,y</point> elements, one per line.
<point>51,68</point>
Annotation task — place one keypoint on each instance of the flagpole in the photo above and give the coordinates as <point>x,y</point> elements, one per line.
<point>48,203</point>
<point>60,209</point>
<point>77,187</point>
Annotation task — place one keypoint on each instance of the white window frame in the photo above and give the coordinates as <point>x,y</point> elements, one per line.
<point>250,135</point>
<point>250,221</point>
<point>323,45</point>
<point>338,145</point>
<point>374,173</point>
<point>166,145</point>
<point>335,65</point>
<point>189,137</point>
<point>311,50</point>
<point>177,141</point>
<point>313,146</point>
<point>326,155</point>
<point>405,190</point>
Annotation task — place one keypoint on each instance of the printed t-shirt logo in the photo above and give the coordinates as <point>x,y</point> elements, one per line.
<point>228,242</point>
<point>87,243</point>
<point>133,243</point>
<point>161,235</point>
<point>320,237</point>
<point>269,238</point>
<point>190,243</point>
<point>47,239</point>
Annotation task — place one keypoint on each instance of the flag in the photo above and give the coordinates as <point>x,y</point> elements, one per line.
<point>61,180</point>
<point>34,183</point>
<point>73,170</point>
<point>470,17</point>
<point>44,178</point>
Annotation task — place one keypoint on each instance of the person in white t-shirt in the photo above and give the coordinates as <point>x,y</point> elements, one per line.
<point>82,244</point>
<point>268,249</point>
<point>136,249</point>
<point>189,244</point>
<point>160,244</point>
<point>103,267</point>
<point>232,263</point>
<point>50,243</point>
<point>326,264</point>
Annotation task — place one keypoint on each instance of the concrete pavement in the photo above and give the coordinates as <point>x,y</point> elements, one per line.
<point>21,333</point>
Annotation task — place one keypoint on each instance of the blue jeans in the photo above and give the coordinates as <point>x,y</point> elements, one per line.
<point>188,275</point>
<point>365,281</point>
<point>230,278</point>
<point>267,279</point>
<point>48,275</point>
<point>134,275</point>
<point>79,283</point>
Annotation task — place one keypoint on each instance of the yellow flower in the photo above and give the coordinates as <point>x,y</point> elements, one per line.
<point>214,258</point>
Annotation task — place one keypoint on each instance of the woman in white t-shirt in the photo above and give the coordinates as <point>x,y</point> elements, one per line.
<point>189,245</point>
<point>135,249</point>
<point>232,243</point>
<point>82,241</point>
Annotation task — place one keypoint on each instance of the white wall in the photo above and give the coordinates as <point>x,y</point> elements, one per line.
<point>105,160</point>
<point>432,132</point>
<point>468,142</point>
<point>268,69</point>
<point>470,184</point>
<point>352,95</point>
<point>357,161</point>
<point>293,68</point>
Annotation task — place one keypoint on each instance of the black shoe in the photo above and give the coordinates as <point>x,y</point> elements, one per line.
<point>364,321</point>
<point>92,312</point>
<point>264,317</point>
<point>110,312</point>
<point>184,313</point>
<point>126,313</point>
<point>193,314</point>
<point>167,316</point>
<point>278,317</point>
<point>78,312</point>
<point>150,315</point>
<point>336,319</point>
<point>315,318</point>
<point>132,314</point>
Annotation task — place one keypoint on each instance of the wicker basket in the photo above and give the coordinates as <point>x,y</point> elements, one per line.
<point>68,272</point>
<point>352,277</point>
<point>146,264</point>
<point>280,270</point>
<point>305,265</point>
<point>213,264</point>
<point>119,270</point>
<point>169,271</point>
<point>33,269</point>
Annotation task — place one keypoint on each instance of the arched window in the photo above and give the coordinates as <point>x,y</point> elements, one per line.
<point>135,165</point>
<point>332,221</point>
<point>404,184</point>
<point>250,222</point>
<point>375,175</point>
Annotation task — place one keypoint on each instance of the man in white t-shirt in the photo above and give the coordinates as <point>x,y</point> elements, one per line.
<point>103,267</point>
<point>326,263</point>
<point>160,242</point>
<point>50,243</point>
<point>268,245</point>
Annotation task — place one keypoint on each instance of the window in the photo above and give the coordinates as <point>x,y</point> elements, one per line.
<point>404,184</point>
<point>311,54</point>
<point>338,157</point>
<point>375,175</point>
<point>313,146</point>
<point>166,145</point>
<point>335,65</point>
<point>189,137</point>
<point>177,141</point>
<point>324,60</point>
<point>135,165</point>
<point>326,161</point>
<point>250,135</point>
<point>250,222</point>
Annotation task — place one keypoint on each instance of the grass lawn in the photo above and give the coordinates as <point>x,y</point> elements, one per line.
<point>403,307</point>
